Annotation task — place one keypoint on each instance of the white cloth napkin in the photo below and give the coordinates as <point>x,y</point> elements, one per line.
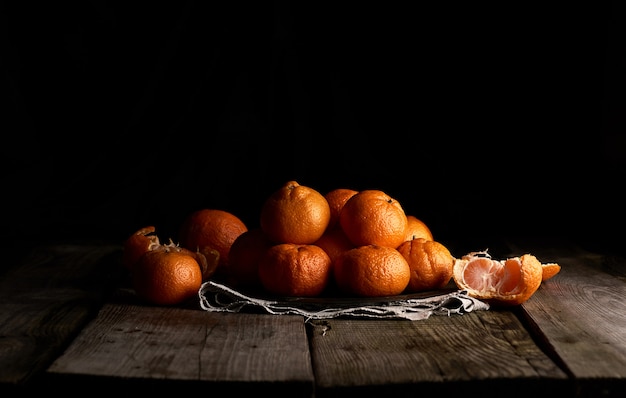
<point>220,298</point>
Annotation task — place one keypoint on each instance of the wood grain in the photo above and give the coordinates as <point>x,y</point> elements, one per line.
<point>46,299</point>
<point>489,346</point>
<point>68,322</point>
<point>579,316</point>
<point>174,344</point>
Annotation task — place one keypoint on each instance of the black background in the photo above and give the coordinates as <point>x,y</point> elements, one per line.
<point>485,120</point>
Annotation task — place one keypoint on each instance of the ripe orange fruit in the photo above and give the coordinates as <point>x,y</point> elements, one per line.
<point>371,271</point>
<point>416,228</point>
<point>371,217</point>
<point>290,269</point>
<point>138,243</point>
<point>549,270</point>
<point>334,242</point>
<point>213,228</point>
<point>500,282</point>
<point>431,264</point>
<point>146,239</point>
<point>168,275</point>
<point>336,199</point>
<point>244,257</point>
<point>295,214</point>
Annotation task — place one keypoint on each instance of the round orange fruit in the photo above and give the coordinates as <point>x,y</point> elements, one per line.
<point>168,275</point>
<point>371,217</point>
<point>371,271</point>
<point>245,253</point>
<point>138,243</point>
<point>295,214</point>
<point>431,264</point>
<point>334,242</point>
<point>499,282</point>
<point>336,199</point>
<point>146,239</point>
<point>416,228</point>
<point>290,269</point>
<point>213,228</point>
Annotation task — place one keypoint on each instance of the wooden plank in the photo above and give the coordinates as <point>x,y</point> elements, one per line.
<point>480,353</point>
<point>131,343</point>
<point>580,317</point>
<point>574,341</point>
<point>46,297</point>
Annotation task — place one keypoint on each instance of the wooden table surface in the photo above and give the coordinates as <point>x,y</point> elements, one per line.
<point>69,323</point>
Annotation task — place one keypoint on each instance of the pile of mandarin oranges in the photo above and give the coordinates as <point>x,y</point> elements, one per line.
<point>308,244</point>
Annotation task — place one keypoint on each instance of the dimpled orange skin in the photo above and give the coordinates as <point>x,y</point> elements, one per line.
<point>336,199</point>
<point>295,214</point>
<point>371,217</point>
<point>245,253</point>
<point>334,242</point>
<point>138,243</point>
<point>417,229</point>
<point>166,276</point>
<point>289,269</point>
<point>371,271</point>
<point>431,264</point>
<point>213,228</point>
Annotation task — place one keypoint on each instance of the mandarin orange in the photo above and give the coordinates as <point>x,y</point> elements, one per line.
<point>167,275</point>
<point>146,239</point>
<point>295,214</point>
<point>290,269</point>
<point>336,198</point>
<point>334,242</point>
<point>245,253</point>
<point>371,217</point>
<point>213,228</point>
<point>499,282</point>
<point>417,228</point>
<point>371,271</point>
<point>431,264</point>
<point>138,243</point>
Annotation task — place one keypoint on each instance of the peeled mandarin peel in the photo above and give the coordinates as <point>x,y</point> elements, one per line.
<point>502,282</point>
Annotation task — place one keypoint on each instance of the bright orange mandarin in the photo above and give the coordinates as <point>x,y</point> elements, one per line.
<point>212,228</point>
<point>371,217</point>
<point>146,239</point>
<point>417,229</point>
<point>295,214</point>
<point>168,275</point>
<point>499,282</point>
<point>336,199</point>
<point>431,264</point>
<point>334,242</point>
<point>371,271</point>
<point>289,269</point>
<point>138,243</point>
<point>245,254</point>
